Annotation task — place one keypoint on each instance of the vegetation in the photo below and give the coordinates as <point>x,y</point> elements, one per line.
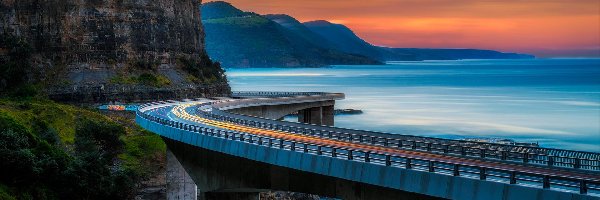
<point>220,9</point>
<point>146,78</point>
<point>50,150</point>
<point>203,70</point>
<point>15,54</point>
<point>142,65</point>
<point>246,21</point>
<point>56,151</point>
<point>143,72</point>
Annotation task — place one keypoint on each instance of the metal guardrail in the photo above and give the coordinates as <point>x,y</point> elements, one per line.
<point>524,154</point>
<point>411,163</point>
<point>275,94</point>
<point>455,148</point>
<point>288,97</point>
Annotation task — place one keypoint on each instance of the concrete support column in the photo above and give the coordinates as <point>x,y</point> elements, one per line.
<point>311,115</point>
<point>316,115</point>
<point>180,185</point>
<point>303,116</point>
<point>328,115</point>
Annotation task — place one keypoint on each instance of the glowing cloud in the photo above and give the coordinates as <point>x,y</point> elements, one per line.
<point>544,28</point>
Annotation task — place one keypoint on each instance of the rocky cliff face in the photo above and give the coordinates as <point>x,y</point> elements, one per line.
<point>87,43</point>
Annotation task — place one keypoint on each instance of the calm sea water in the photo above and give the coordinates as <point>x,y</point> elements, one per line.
<point>555,102</point>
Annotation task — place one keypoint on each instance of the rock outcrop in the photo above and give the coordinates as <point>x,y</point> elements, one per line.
<point>79,47</point>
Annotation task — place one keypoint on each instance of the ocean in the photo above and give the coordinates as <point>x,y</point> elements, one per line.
<point>552,102</point>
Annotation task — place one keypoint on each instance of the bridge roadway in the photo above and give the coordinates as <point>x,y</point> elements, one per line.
<point>549,173</point>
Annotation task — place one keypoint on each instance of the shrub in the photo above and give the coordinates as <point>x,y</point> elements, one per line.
<point>148,79</point>
<point>203,70</point>
<point>91,136</point>
<point>14,66</point>
<point>143,65</point>
<point>38,168</point>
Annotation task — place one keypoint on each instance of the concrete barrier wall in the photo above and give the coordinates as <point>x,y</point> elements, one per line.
<point>279,111</point>
<point>432,184</point>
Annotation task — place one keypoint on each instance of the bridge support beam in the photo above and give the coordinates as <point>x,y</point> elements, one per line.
<point>180,185</point>
<point>322,115</point>
<point>327,113</point>
<point>221,176</point>
<point>311,116</point>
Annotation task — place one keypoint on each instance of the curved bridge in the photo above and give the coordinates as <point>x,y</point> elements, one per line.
<point>227,152</point>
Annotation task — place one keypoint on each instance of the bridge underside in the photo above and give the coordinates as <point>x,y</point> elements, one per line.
<point>319,113</point>
<point>238,165</point>
<point>222,176</point>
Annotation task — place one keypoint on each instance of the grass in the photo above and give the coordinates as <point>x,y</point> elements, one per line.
<point>123,79</point>
<point>142,151</point>
<point>60,117</point>
<point>5,193</point>
<point>146,78</point>
<point>142,148</point>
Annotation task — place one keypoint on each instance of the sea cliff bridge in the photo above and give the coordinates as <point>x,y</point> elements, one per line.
<point>232,147</point>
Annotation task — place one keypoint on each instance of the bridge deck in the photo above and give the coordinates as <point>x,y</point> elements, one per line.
<point>546,168</point>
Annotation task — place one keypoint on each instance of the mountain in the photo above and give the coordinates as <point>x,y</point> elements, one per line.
<point>457,54</point>
<point>346,40</point>
<point>219,9</point>
<point>294,26</point>
<point>244,39</point>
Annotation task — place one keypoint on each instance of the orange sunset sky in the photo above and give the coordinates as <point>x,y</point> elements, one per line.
<point>545,28</point>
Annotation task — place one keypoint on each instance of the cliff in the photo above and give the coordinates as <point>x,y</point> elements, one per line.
<point>108,50</point>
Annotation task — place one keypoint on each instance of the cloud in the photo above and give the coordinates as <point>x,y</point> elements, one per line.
<point>421,8</point>
<point>529,26</point>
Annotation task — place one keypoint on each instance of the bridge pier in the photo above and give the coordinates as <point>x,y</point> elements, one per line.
<point>319,113</point>
<point>180,185</point>
<point>322,115</point>
<point>310,116</point>
<point>327,113</point>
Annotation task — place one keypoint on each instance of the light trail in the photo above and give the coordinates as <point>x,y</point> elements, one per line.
<point>180,112</point>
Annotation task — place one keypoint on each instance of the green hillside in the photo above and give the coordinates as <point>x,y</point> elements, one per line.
<point>219,9</point>
<point>57,151</point>
<point>294,26</point>
<point>251,40</point>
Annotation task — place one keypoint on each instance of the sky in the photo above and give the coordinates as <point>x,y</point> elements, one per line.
<point>545,28</point>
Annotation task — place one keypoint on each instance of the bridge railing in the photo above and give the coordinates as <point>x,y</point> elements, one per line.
<point>525,154</point>
<point>502,152</point>
<point>273,94</point>
<point>297,98</point>
<point>528,155</point>
<point>582,186</point>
